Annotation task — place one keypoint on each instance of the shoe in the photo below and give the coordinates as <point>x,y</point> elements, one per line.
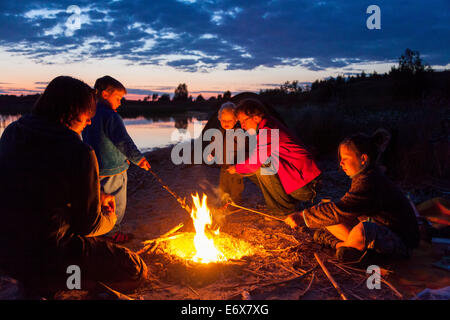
<point>120,237</point>
<point>325,238</point>
<point>348,254</point>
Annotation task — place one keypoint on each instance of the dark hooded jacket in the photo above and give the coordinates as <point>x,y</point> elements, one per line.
<point>49,191</point>
<point>371,195</point>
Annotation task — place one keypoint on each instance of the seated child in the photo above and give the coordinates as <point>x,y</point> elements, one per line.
<point>373,214</point>
<point>225,120</point>
<point>113,146</point>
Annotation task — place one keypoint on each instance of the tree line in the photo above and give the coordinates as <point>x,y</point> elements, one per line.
<point>408,81</point>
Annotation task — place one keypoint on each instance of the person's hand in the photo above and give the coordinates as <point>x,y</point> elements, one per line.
<point>231,169</point>
<point>210,158</point>
<point>108,203</point>
<point>295,220</point>
<point>144,164</point>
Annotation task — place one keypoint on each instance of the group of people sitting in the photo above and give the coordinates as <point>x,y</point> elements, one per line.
<point>60,192</point>
<point>373,214</point>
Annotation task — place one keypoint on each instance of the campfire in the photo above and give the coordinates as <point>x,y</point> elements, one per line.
<point>252,256</point>
<point>207,244</point>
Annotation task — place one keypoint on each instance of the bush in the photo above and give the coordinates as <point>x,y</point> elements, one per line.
<point>419,145</point>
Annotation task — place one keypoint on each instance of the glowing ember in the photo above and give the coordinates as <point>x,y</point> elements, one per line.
<point>205,248</point>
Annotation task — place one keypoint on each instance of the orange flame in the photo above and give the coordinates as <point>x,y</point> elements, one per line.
<point>206,250</point>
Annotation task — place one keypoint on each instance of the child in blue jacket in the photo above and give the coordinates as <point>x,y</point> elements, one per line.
<point>113,147</point>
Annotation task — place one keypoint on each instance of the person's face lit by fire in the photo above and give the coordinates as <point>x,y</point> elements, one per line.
<point>80,123</point>
<point>113,97</point>
<point>227,119</point>
<point>350,160</point>
<point>249,123</point>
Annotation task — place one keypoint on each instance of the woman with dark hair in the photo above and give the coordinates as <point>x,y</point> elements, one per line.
<point>373,214</point>
<point>50,200</point>
<point>284,168</point>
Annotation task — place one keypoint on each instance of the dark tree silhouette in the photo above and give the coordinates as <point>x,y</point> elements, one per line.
<point>164,98</point>
<point>409,77</point>
<point>181,93</point>
<point>227,95</point>
<point>291,87</point>
<point>199,98</point>
<point>410,62</point>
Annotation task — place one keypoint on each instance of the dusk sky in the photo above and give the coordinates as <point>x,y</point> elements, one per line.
<point>212,46</point>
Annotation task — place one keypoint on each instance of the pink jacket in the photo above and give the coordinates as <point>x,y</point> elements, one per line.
<point>295,164</point>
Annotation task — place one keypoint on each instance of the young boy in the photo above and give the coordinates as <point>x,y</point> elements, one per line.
<point>231,185</point>
<point>113,147</point>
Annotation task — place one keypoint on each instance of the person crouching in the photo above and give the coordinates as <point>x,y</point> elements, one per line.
<point>285,170</point>
<point>374,214</point>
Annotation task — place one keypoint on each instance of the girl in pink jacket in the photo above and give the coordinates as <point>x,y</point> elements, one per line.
<point>284,168</point>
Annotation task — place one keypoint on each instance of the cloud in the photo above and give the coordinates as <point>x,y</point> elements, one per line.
<point>230,34</point>
<point>16,91</point>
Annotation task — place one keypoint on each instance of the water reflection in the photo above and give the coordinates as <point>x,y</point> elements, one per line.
<point>5,120</point>
<point>151,132</point>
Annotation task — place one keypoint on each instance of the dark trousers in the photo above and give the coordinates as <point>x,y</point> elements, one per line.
<point>45,271</point>
<point>277,199</point>
<point>231,184</point>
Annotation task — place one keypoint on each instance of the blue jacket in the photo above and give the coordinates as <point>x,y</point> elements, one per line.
<point>109,138</point>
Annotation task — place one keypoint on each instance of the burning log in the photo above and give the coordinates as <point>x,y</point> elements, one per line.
<point>152,244</point>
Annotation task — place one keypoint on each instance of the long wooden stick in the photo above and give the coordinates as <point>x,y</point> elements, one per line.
<point>181,201</point>
<point>330,277</point>
<point>161,239</point>
<point>118,294</point>
<point>251,210</point>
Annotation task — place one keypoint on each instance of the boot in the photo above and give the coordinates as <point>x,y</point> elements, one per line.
<point>325,238</point>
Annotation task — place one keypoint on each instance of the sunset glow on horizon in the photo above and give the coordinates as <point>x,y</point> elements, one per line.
<point>211,46</point>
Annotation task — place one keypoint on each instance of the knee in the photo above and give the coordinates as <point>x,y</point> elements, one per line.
<point>356,238</point>
<point>358,231</point>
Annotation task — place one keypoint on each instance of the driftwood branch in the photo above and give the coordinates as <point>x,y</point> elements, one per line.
<point>307,288</point>
<point>330,277</point>
<point>117,294</point>
<point>397,293</point>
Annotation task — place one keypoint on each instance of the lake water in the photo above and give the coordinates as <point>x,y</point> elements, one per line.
<point>151,133</point>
